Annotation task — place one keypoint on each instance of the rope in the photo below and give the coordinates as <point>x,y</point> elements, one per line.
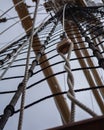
<point>40,25</point>
<point>73,99</point>
<point>81,105</point>
<point>70,82</point>
<point>26,72</point>
<point>70,78</point>
<point>15,98</point>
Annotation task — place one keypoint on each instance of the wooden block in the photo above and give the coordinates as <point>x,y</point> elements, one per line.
<point>63,46</point>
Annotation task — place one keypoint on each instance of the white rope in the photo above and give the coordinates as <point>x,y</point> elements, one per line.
<point>71,91</point>
<point>26,72</point>
<point>81,105</point>
<point>15,24</point>
<point>71,80</point>
<point>64,17</point>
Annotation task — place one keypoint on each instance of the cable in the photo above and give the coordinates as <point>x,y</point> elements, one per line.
<point>42,99</point>
<point>9,109</point>
<point>76,69</point>
<point>81,105</point>
<point>15,24</point>
<point>76,90</point>
<point>47,97</point>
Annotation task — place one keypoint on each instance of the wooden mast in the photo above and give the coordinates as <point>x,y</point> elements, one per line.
<point>53,83</point>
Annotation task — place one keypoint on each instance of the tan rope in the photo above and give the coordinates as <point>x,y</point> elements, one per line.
<point>26,72</point>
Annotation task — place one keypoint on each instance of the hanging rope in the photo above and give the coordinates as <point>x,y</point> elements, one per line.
<point>73,99</point>
<point>70,82</point>
<point>29,72</point>
<point>70,78</point>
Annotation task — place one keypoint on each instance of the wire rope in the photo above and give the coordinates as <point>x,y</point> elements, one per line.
<point>51,96</point>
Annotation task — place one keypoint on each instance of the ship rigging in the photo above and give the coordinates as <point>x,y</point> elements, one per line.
<point>59,59</point>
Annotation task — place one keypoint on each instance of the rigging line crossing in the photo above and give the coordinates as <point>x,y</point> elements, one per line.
<point>9,110</point>
<point>95,92</point>
<point>42,99</point>
<point>15,24</point>
<point>80,58</point>
<point>10,44</point>
<point>12,8</point>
